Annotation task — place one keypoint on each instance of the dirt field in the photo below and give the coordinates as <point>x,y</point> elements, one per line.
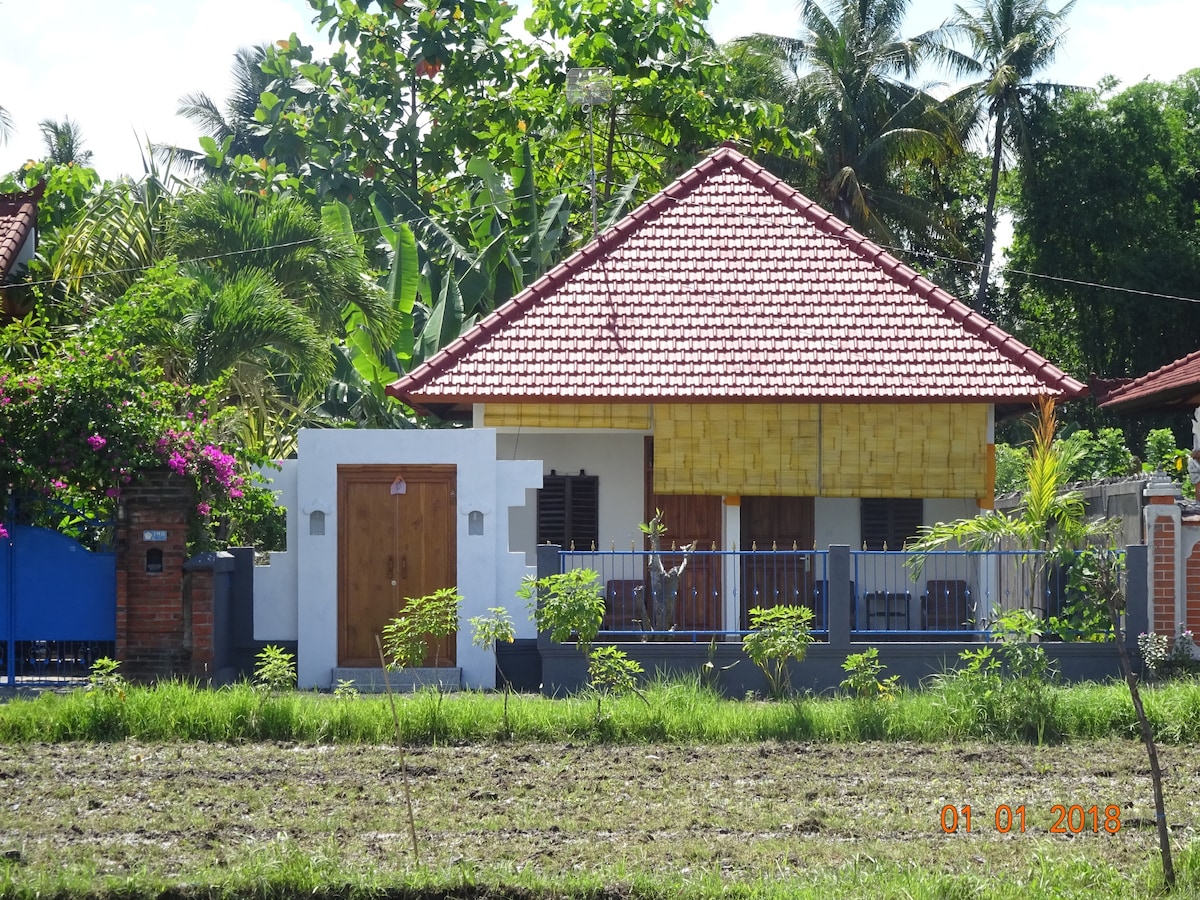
<point>177,811</point>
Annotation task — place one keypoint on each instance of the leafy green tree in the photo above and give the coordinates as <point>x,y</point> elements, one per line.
<point>868,122</point>
<point>1010,42</point>
<point>1131,158</point>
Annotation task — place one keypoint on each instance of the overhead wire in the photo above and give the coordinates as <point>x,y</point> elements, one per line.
<point>1001,270</point>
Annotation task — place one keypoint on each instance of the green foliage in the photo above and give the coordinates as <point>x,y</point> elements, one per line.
<point>863,676</point>
<point>405,637</point>
<point>1009,689</point>
<point>1132,156</point>
<point>1085,615</point>
<point>274,669</point>
<point>1012,467</point>
<point>570,605</point>
<point>1166,659</point>
<point>1161,454</point>
<point>345,689</point>
<point>611,670</point>
<point>778,634</point>
<point>1103,455</point>
<point>105,677</point>
<point>494,628</point>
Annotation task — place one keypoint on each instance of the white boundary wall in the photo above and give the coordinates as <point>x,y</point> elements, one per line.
<point>298,601</point>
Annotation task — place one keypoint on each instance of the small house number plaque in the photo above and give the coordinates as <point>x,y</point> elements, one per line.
<point>153,536</point>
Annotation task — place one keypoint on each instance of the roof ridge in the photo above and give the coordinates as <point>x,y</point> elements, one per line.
<point>1129,386</point>
<point>726,157</point>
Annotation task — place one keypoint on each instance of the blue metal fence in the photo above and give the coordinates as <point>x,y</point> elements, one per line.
<point>941,595</point>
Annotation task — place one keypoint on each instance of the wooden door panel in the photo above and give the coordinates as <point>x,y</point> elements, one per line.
<point>392,546</point>
<point>697,519</point>
<point>774,575</point>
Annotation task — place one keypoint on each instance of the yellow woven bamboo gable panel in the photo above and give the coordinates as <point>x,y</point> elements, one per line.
<point>635,416</point>
<point>904,450</point>
<point>755,448</point>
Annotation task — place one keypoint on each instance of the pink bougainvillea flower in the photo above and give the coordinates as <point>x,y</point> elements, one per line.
<point>96,442</point>
<point>203,509</point>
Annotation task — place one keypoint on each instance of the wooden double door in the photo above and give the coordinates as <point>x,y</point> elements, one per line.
<point>396,540</point>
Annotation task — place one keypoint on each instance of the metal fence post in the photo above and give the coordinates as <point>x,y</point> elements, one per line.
<point>1137,600</point>
<point>839,598</point>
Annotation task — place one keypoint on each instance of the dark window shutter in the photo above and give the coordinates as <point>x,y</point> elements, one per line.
<point>890,521</point>
<point>568,511</point>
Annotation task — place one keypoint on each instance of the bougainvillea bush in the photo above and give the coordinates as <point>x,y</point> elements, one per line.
<point>80,424</point>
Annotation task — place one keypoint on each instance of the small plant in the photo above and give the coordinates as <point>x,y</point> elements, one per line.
<point>488,631</point>
<point>862,679</point>
<point>612,671</point>
<point>570,605</point>
<point>710,672</point>
<point>345,689</point>
<point>405,638</point>
<point>275,669</point>
<point>1166,659</point>
<point>105,678</point>
<point>778,634</point>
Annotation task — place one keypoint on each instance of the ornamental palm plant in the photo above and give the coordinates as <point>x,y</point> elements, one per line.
<point>1049,522</point>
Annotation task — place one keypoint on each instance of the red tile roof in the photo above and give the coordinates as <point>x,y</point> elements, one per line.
<point>18,218</point>
<point>1174,386</point>
<point>729,285</point>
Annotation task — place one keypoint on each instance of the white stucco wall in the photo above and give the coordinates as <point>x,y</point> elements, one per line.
<point>275,611</point>
<point>488,573</point>
<point>617,459</point>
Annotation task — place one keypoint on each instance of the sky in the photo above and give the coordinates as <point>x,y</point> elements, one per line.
<point>119,67</point>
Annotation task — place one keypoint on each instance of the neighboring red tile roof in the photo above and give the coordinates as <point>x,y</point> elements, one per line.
<point>18,218</point>
<point>729,285</point>
<point>1174,386</point>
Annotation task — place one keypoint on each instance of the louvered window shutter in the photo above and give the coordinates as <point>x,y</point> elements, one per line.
<point>568,511</point>
<point>890,521</point>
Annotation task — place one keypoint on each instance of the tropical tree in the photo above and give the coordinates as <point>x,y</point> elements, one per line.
<point>64,142</point>
<point>6,125</point>
<point>1010,42</point>
<point>868,123</point>
<point>234,130</point>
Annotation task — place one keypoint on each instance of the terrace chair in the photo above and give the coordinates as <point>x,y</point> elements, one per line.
<point>946,606</point>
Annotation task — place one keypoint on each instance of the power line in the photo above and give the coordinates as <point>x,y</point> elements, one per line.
<point>899,251</point>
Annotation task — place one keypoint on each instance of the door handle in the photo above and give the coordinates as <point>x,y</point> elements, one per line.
<point>391,573</point>
<point>404,567</point>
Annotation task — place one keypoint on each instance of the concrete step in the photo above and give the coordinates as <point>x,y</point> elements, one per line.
<point>370,681</point>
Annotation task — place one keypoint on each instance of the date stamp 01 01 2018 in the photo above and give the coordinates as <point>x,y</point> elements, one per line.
<point>1074,819</point>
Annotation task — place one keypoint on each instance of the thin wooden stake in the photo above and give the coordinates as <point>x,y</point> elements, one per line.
<point>412,825</point>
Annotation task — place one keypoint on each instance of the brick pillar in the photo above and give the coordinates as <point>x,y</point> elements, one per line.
<point>1166,582</point>
<point>153,639</point>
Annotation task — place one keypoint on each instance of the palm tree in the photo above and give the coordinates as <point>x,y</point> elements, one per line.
<point>236,123</point>
<point>316,266</point>
<point>64,142</point>
<point>1010,42</point>
<point>848,86</point>
<point>6,125</point>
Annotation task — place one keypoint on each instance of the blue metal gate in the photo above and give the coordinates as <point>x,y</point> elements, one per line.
<point>58,602</point>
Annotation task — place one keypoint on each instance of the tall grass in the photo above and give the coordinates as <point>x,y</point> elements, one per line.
<point>677,711</point>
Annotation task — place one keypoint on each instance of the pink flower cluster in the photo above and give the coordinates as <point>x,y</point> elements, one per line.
<point>209,463</point>
<point>3,532</point>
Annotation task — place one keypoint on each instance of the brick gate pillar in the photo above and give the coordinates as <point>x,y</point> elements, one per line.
<point>153,623</point>
<point>1163,537</point>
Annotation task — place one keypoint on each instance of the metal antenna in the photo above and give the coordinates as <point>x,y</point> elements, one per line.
<point>586,88</point>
